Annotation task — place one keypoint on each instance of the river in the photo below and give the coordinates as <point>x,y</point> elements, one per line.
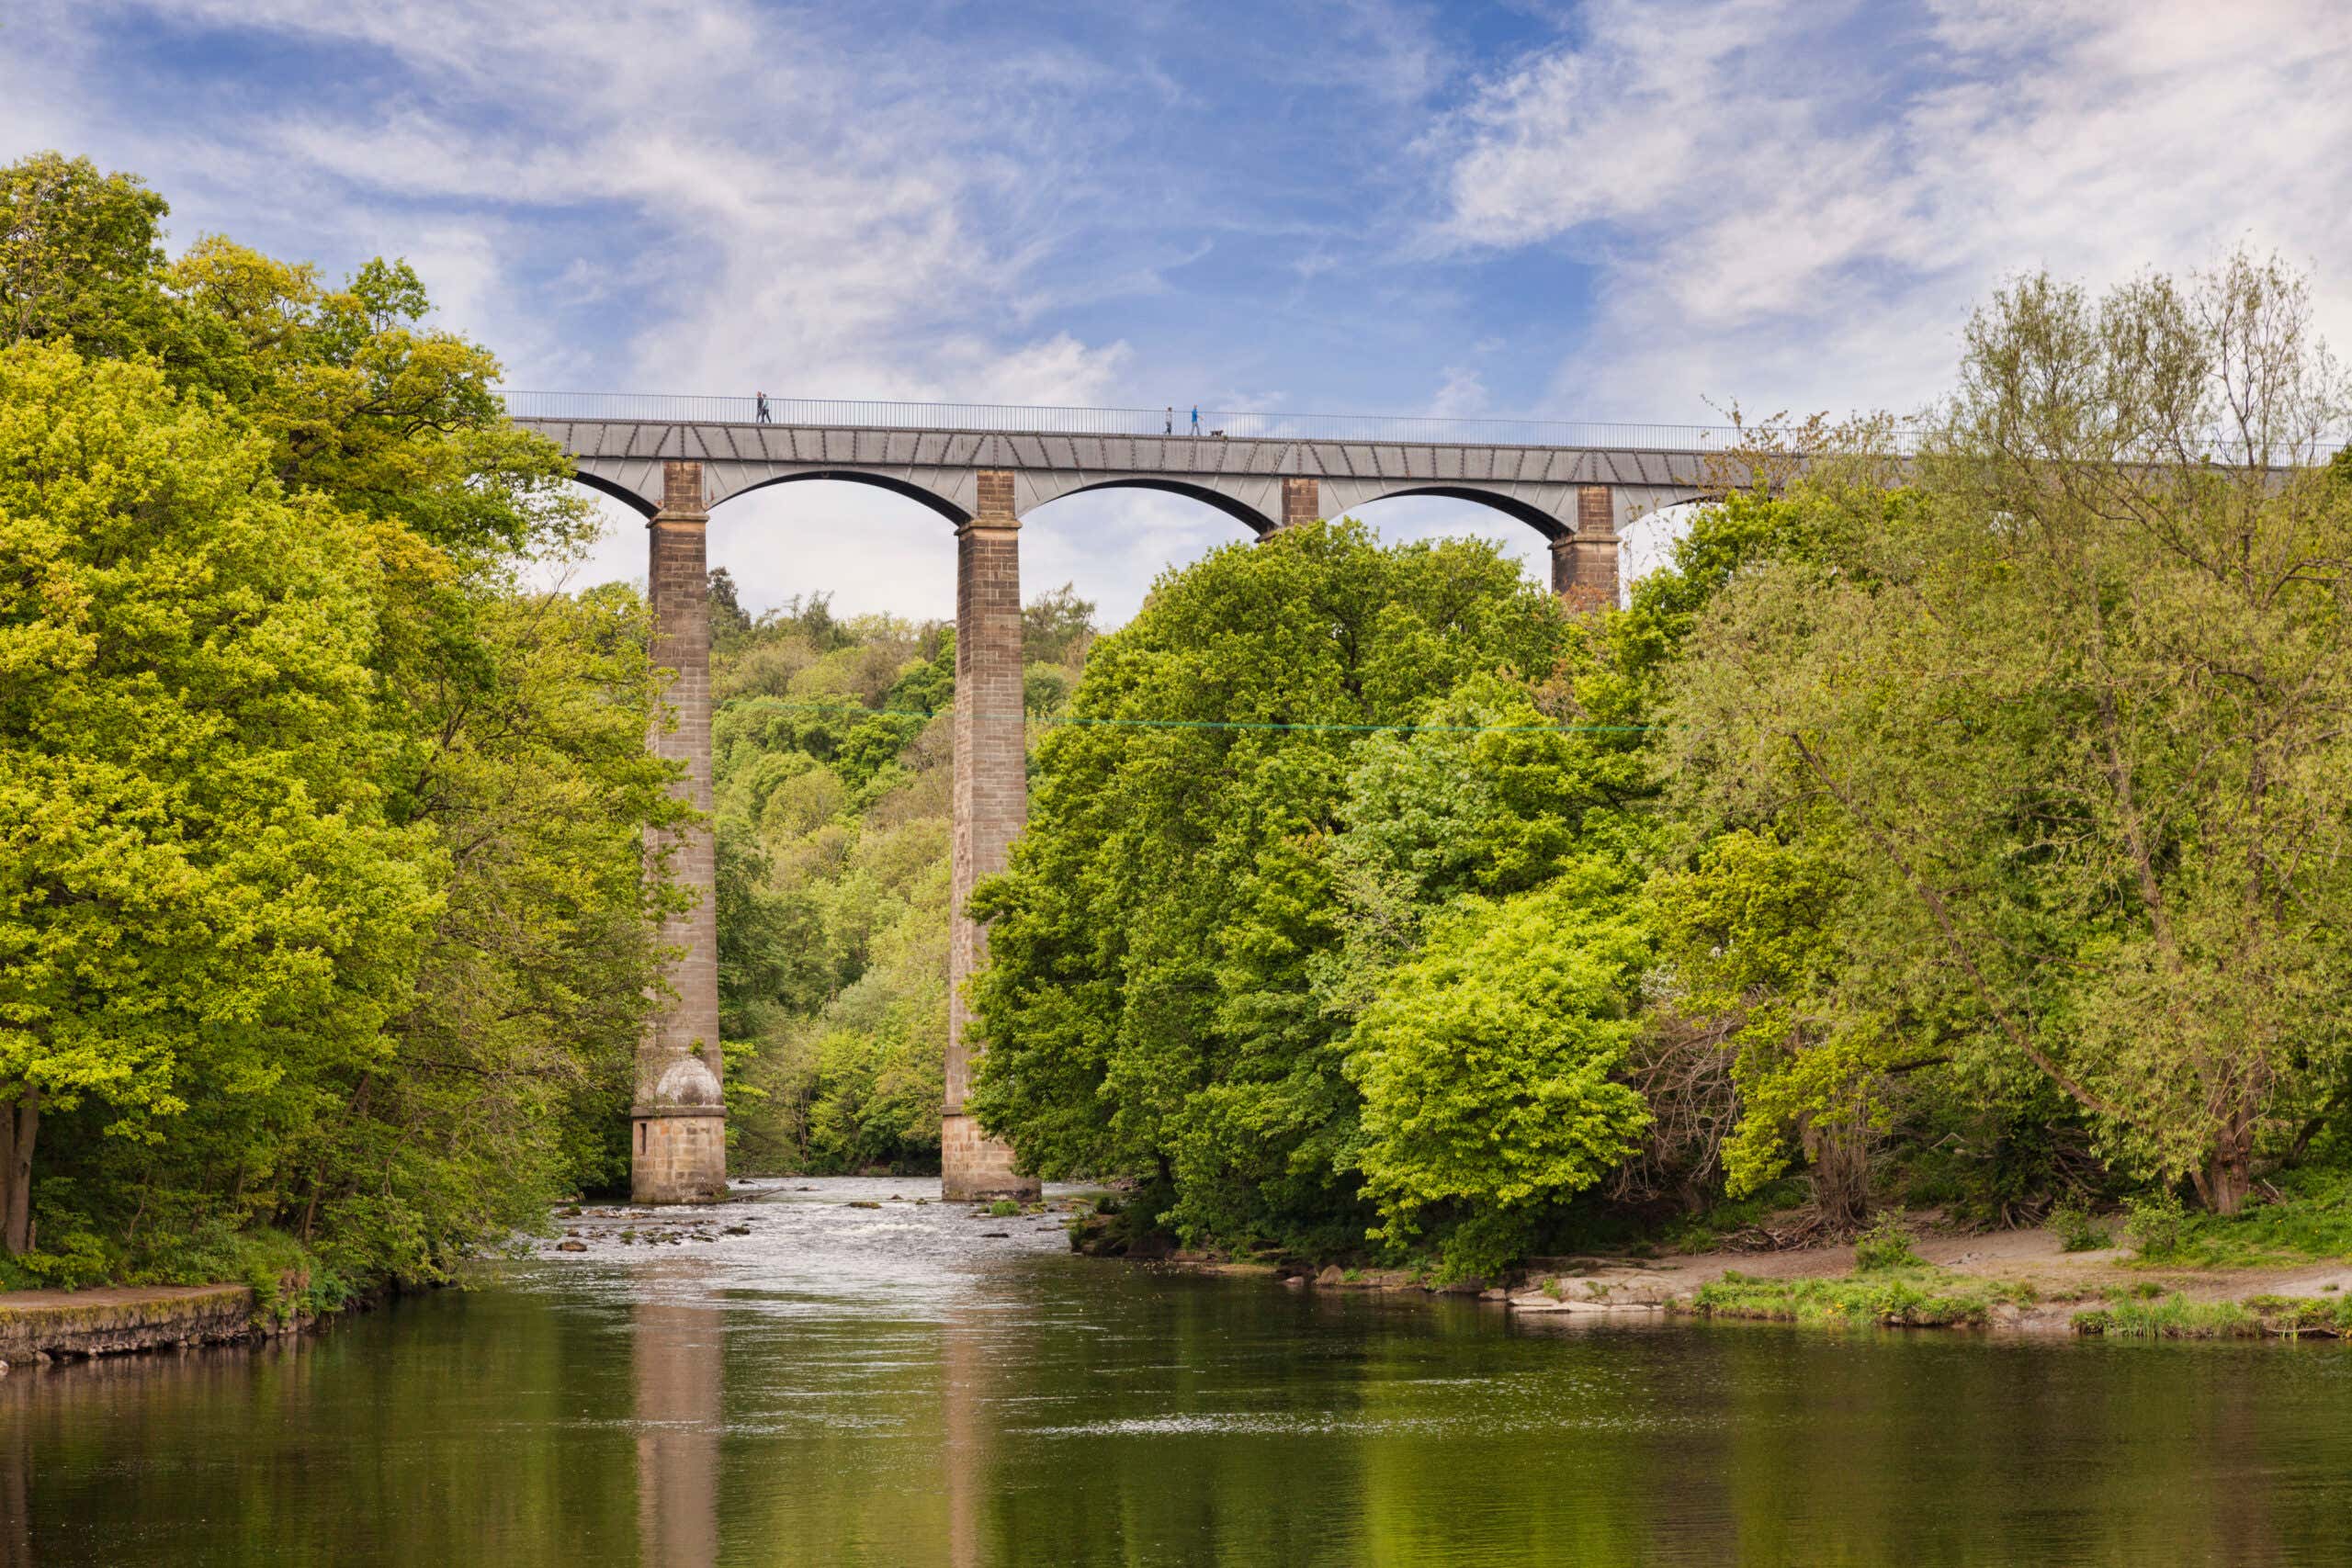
<point>909,1384</point>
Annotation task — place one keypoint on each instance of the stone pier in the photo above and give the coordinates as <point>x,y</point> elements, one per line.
<point>991,804</point>
<point>678,1124</point>
<point>674,471</point>
<point>1302,501</point>
<point>1584,564</point>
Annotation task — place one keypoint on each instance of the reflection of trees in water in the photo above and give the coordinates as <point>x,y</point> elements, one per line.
<point>677,1348</point>
<point>1110,1417</point>
<point>16,1488</point>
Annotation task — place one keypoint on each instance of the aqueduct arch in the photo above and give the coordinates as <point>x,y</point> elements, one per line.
<point>984,480</point>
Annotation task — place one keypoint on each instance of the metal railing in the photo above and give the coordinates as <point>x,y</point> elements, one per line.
<point>1229,425</point>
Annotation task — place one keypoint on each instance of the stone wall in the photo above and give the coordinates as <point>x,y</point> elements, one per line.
<point>34,1324</point>
<point>974,1167</point>
<point>1302,501</point>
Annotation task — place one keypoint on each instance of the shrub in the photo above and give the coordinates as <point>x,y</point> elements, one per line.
<point>2302,1314</point>
<point>1886,1244</point>
<point>1003,1209</point>
<point>2154,1225</point>
<point>1488,1066</point>
<point>2078,1229</point>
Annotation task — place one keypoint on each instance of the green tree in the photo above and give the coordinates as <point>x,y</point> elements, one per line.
<point>505,1080</point>
<point>1151,1004</point>
<point>1485,1063</point>
<point>1056,626</point>
<point>2078,710</point>
<point>200,897</point>
<point>80,257</point>
<point>497,738</point>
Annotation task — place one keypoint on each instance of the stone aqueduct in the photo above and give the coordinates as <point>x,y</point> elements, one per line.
<point>983,480</point>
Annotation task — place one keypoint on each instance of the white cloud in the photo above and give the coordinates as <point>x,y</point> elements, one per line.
<point>682,195</point>
<point>1795,205</point>
<point>1463,395</point>
<point>1787,202</point>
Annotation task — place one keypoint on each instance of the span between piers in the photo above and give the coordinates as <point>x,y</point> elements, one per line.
<point>981,469</point>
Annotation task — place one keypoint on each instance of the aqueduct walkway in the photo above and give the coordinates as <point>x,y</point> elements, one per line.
<point>982,468</point>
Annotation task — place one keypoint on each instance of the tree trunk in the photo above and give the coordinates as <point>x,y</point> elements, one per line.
<point>1841,1155</point>
<point>19,1120</point>
<point>2228,1177</point>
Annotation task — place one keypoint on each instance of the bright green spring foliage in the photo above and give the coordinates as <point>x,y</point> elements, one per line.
<point>1485,1063</point>
<point>324,902</point>
<point>204,912</point>
<point>79,256</point>
<point>1196,917</point>
<point>1747,928</point>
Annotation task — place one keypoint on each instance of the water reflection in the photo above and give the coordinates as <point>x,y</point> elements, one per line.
<point>15,1494</point>
<point>901,1385</point>
<point>962,1447</point>
<point>677,1353</point>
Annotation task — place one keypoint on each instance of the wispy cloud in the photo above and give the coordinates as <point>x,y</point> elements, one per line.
<point>778,200</point>
<point>706,196</point>
<point>1609,210</point>
<point>1797,202</point>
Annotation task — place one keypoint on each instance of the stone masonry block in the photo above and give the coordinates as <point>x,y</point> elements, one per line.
<point>996,496</point>
<point>1596,511</point>
<point>1302,500</point>
<point>1584,564</point>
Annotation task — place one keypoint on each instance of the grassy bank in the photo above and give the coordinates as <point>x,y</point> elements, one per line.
<point>289,1281</point>
<point>2174,1316</point>
<point>1910,1298</point>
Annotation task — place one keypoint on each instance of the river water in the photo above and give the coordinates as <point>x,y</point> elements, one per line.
<point>909,1384</point>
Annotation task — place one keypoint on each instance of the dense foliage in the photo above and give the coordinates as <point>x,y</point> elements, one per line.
<point>324,940</point>
<point>1228,862</point>
<point>2056,736</point>
<point>1966,826</point>
<point>831,750</point>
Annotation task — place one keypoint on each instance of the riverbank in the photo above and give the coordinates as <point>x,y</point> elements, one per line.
<point>2014,1280</point>
<point>42,1325</point>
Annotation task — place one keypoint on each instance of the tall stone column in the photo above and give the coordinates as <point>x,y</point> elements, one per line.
<point>678,1125</point>
<point>1302,500</point>
<point>990,805</point>
<point>1584,564</point>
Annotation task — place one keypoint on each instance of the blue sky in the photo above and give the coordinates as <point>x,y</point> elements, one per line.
<point>1608,210</point>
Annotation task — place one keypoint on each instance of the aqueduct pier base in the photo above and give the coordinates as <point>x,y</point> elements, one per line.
<point>983,481</point>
